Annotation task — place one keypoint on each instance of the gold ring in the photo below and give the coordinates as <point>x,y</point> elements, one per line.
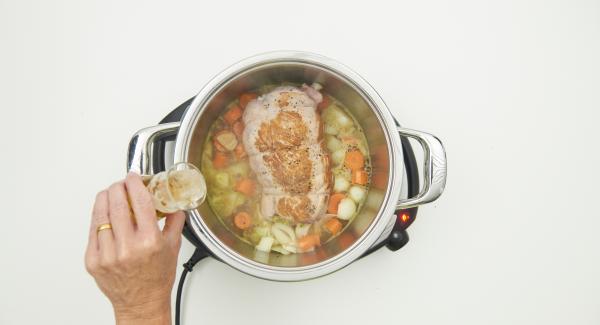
<point>103,226</point>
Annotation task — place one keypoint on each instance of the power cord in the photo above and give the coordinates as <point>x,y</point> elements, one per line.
<point>198,255</point>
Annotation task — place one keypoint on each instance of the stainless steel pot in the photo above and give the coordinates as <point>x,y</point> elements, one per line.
<point>373,222</point>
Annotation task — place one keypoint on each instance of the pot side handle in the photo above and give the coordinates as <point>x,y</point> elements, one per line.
<point>434,169</point>
<point>139,153</point>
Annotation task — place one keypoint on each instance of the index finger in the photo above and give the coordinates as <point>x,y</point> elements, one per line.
<point>141,203</point>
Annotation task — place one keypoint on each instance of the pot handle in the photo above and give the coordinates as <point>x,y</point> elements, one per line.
<point>434,169</point>
<point>139,153</point>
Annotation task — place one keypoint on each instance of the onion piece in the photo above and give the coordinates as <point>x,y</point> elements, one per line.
<point>222,180</point>
<point>290,248</point>
<point>343,120</point>
<point>357,193</point>
<point>346,208</point>
<point>333,143</point>
<point>265,244</point>
<point>340,184</point>
<point>281,250</point>
<point>330,129</point>
<point>338,156</point>
<point>227,139</point>
<point>336,116</point>
<point>283,233</point>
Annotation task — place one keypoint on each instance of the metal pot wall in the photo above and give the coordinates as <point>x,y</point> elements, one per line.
<point>383,136</point>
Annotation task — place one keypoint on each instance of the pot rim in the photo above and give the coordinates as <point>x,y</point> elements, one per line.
<point>395,178</point>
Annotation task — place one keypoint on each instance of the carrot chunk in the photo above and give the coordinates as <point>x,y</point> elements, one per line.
<point>245,98</point>
<point>246,186</point>
<point>242,220</point>
<point>220,160</point>
<point>239,151</point>
<point>334,201</point>
<point>354,159</point>
<point>309,241</point>
<point>360,177</point>
<point>238,129</point>
<point>324,103</point>
<point>333,225</point>
<point>232,115</point>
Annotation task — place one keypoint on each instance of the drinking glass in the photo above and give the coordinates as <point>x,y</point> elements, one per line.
<point>181,187</point>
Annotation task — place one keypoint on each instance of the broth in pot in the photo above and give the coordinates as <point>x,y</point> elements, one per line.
<point>287,167</point>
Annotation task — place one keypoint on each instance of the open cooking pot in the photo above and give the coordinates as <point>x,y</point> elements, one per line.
<point>372,222</point>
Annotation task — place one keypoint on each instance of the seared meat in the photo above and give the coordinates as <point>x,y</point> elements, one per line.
<point>283,138</point>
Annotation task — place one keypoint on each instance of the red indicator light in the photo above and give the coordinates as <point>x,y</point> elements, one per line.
<point>404,217</point>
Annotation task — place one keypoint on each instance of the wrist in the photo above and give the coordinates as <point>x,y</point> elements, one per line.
<point>151,312</point>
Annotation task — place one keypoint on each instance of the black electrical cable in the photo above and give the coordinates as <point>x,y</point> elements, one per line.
<point>198,255</point>
<point>178,299</point>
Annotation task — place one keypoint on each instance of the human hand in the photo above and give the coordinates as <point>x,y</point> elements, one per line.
<point>134,263</point>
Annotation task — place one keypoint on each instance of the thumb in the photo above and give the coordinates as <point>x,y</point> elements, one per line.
<point>174,225</point>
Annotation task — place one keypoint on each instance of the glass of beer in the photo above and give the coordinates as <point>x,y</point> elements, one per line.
<point>181,187</point>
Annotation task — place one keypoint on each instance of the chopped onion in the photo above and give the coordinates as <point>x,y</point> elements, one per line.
<point>339,117</point>
<point>338,156</point>
<point>333,144</point>
<point>258,213</point>
<point>265,244</point>
<point>357,193</point>
<point>344,121</point>
<point>346,209</point>
<point>222,180</point>
<point>302,229</point>
<point>227,139</point>
<point>281,250</point>
<point>330,129</point>
<point>283,233</point>
<point>290,248</point>
<point>340,184</point>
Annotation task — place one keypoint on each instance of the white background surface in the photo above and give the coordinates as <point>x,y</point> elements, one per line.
<point>511,87</point>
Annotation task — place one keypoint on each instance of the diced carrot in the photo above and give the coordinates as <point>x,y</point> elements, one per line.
<point>233,114</point>
<point>334,201</point>
<point>245,98</point>
<point>242,220</point>
<point>354,159</point>
<point>246,186</point>
<point>333,225</point>
<point>220,160</point>
<point>360,177</point>
<point>309,241</point>
<point>238,129</point>
<point>239,151</point>
<point>324,103</point>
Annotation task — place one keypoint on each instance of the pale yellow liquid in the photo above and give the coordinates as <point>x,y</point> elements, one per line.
<point>176,190</point>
